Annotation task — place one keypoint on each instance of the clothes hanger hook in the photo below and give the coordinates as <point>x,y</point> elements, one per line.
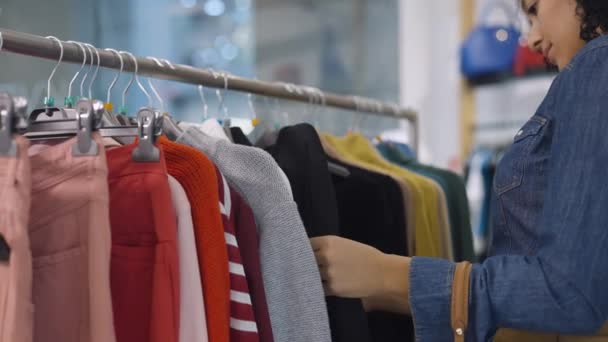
<point>122,65</point>
<point>156,94</point>
<point>141,86</point>
<point>201,93</point>
<point>84,78</point>
<point>322,102</point>
<point>218,92</point>
<point>225,108</point>
<point>291,88</point>
<point>220,95</point>
<point>93,48</point>
<point>84,62</point>
<point>251,107</point>
<point>124,92</point>
<point>355,126</point>
<point>49,101</point>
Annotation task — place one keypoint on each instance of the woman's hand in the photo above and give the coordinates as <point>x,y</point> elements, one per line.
<point>353,270</point>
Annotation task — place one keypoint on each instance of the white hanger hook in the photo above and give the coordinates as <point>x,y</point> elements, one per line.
<point>48,88</point>
<point>251,106</point>
<point>84,62</point>
<point>156,94</point>
<point>88,70</point>
<point>201,93</point>
<point>224,107</point>
<point>141,86</point>
<point>122,65</point>
<point>93,48</point>
<point>124,92</point>
<point>218,92</point>
<point>357,117</point>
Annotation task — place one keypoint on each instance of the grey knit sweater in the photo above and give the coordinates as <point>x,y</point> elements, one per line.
<point>294,292</point>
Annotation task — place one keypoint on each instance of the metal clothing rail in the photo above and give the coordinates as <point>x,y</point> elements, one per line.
<point>38,46</point>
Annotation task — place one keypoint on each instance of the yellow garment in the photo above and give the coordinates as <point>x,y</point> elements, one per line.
<point>425,194</point>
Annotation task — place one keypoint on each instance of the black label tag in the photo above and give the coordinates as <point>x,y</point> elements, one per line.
<point>5,250</point>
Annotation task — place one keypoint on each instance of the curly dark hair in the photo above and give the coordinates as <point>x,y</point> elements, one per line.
<point>594,16</point>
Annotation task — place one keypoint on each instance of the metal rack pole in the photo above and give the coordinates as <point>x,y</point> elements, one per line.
<point>41,47</point>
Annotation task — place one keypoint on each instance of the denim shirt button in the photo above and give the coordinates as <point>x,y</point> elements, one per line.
<point>459,332</point>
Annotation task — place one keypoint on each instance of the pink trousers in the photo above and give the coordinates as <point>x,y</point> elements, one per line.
<point>70,241</point>
<point>16,313</point>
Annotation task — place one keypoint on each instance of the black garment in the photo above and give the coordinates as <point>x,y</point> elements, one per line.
<point>372,212</point>
<point>299,152</point>
<point>238,137</point>
<point>5,250</point>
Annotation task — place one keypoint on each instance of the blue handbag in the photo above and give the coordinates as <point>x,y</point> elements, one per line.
<point>489,50</point>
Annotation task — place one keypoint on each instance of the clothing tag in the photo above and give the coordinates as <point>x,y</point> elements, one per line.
<point>5,250</point>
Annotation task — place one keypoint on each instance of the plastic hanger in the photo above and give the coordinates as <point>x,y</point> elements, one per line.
<point>49,101</point>
<point>201,93</point>
<point>161,103</point>
<point>94,77</point>
<point>84,78</point>
<point>169,127</point>
<point>148,125</point>
<point>87,115</point>
<point>357,117</point>
<point>106,118</point>
<point>222,110</point>
<point>70,100</point>
<point>254,117</point>
<point>123,108</point>
<point>109,106</point>
<point>258,125</point>
<point>316,97</point>
<point>226,122</point>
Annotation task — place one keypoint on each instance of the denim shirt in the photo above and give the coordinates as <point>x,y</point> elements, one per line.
<point>548,269</point>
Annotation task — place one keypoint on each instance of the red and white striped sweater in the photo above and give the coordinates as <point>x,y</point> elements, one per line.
<point>243,326</point>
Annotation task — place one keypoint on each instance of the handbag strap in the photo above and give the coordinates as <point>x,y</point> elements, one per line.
<point>460,300</point>
<point>508,10</point>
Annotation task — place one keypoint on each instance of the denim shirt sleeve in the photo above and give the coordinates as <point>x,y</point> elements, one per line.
<point>562,287</point>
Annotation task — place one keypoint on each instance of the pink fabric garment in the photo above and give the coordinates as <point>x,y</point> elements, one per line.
<point>16,314</point>
<point>70,241</point>
<point>193,320</point>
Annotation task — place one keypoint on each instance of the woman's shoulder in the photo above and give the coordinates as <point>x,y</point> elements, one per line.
<point>582,86</point>
<point>589,68</point>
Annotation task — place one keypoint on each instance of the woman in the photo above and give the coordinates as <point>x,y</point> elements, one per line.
<point>549,266</point>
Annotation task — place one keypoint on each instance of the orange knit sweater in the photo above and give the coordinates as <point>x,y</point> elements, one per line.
<point>196,173</point>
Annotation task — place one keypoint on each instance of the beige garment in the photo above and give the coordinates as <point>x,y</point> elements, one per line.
<point>16,309</point>
<point>405,191</point>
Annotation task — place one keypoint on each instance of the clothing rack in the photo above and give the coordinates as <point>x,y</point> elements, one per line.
<point>41,47</point>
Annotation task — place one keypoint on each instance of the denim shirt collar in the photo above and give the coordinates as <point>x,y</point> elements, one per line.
<point>598,42</point>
